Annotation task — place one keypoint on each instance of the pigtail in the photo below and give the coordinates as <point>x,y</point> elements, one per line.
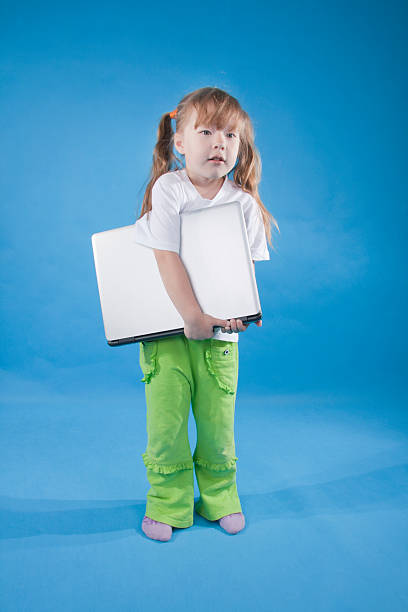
<point>248,171</point>
<point>163,159</point>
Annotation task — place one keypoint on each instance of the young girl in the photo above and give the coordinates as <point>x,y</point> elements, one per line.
<point>200,367</point>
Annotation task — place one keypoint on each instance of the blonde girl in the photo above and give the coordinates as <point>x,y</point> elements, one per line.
<point>200,367</point>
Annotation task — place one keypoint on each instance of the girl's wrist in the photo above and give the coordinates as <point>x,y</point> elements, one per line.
<point>193,315</point>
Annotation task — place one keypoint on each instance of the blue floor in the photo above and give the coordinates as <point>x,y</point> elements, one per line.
<point>322,480</point>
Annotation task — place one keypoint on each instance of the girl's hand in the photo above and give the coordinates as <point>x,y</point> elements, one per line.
<point>236,325</point>
<point>200,327</point>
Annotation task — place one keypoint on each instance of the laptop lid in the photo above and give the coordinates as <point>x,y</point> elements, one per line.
<point>213,246</point>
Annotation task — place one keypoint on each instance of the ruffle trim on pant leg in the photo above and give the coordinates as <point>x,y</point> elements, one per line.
<point>222,385</point>
<point>217,467</point>
<point>162,468</point>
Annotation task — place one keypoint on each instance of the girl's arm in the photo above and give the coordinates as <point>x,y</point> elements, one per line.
<point>177,284</point>
<point>197,325</point>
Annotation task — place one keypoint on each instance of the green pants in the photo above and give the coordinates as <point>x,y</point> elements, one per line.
<point>204,373</point>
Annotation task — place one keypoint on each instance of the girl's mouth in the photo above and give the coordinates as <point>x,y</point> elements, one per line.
<point>216,161</point>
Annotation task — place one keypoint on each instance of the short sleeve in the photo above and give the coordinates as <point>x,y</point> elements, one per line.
<point>159,228</point>
<point>256,232</point>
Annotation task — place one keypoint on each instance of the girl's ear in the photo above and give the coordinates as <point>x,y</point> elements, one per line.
<point>178,143</point>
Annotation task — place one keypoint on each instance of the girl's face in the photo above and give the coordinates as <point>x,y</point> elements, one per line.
<point>203,142</point>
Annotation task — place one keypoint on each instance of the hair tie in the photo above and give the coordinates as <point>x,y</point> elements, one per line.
<point>173,113</point>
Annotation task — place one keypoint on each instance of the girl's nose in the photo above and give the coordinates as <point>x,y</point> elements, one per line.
<point>220,141</point>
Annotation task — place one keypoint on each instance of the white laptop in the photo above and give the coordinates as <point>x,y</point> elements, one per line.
<point>215,251</point>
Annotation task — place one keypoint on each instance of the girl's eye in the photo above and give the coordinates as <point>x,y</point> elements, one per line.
<point>210,132</point>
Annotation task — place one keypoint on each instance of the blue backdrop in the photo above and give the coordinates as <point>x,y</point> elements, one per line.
<point>82,93</point>
<point>83,86</point>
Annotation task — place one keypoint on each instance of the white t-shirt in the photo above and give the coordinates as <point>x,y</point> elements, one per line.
<point>174,193</point>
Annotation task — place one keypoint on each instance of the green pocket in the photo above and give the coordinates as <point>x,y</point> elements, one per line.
<point>148,359</point>
<point>221,360</point>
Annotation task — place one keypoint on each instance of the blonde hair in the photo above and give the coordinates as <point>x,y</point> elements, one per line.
<point>226,111</point>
